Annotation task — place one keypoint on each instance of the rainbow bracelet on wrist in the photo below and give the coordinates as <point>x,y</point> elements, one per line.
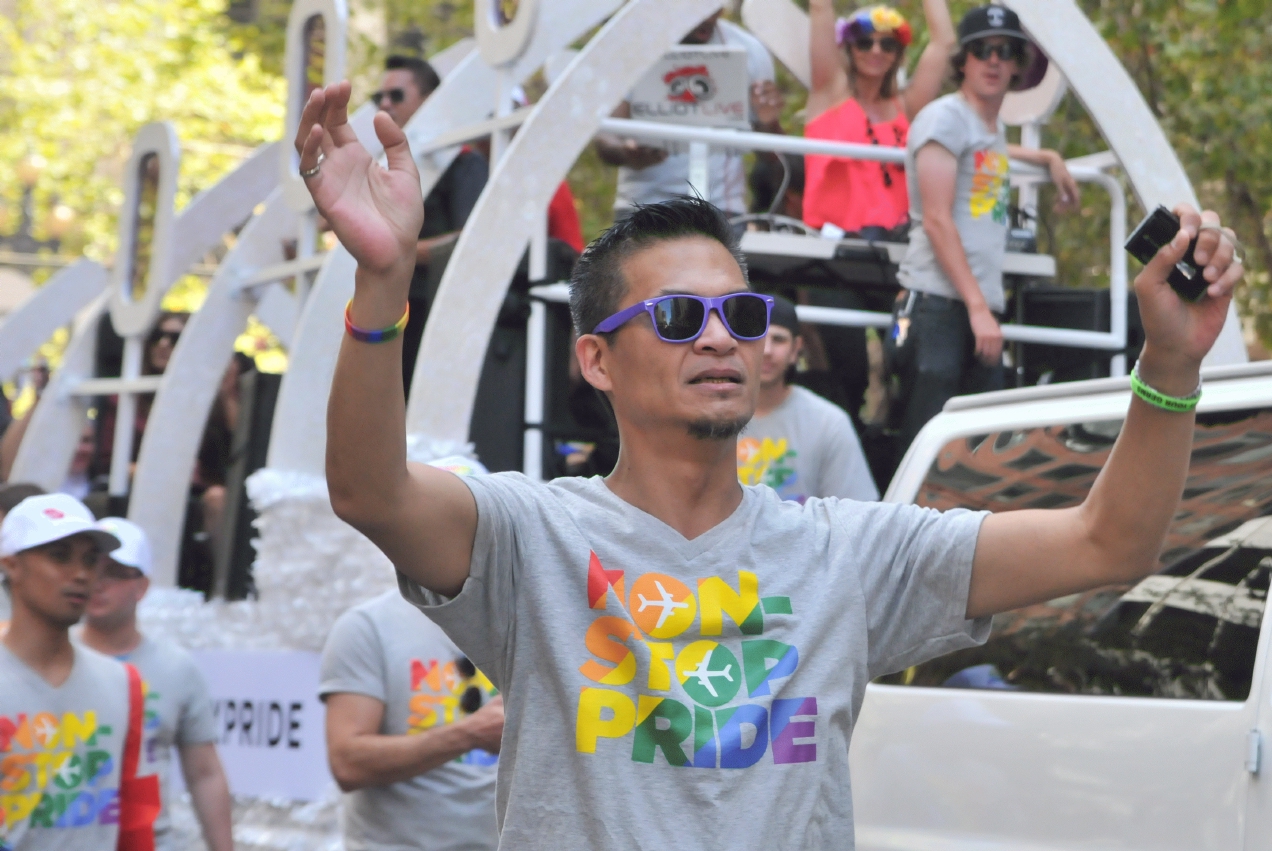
<point>1175,404</point>
<point>384,335</point>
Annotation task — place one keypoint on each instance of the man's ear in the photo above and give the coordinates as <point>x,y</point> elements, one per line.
<point>592,351</point>
<point>144,586</point>
<point>797,348</point>
<point>8,566</point>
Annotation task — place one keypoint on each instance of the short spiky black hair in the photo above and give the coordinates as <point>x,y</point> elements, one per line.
<point>426,79</point>
<point>597,285</point>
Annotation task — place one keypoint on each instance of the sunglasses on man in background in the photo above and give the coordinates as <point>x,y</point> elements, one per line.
<point>395,96</point>
<point>1007,51</point>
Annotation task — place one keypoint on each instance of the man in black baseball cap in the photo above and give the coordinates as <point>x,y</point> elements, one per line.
<point>985,21</point>
<point>798,443</point>
<point>957,168</point>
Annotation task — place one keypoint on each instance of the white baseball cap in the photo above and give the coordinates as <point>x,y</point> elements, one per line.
<point>134,547</point>
<point>39,520</point>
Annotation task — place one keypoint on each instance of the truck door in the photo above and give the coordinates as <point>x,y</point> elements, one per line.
<point>1120,716</point>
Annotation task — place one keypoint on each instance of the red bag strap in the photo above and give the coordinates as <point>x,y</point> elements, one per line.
<point>136,720</point>
<point>139,797</point>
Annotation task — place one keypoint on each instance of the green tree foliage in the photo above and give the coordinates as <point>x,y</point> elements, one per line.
<point>80,77</point>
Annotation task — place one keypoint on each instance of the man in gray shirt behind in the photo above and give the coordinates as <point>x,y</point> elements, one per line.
<point>799,444</point>
<point>178,709</point>
<point>957,168</point>
<point>412,732</point>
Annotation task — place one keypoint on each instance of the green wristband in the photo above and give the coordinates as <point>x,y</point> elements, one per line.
<point>1176,404</point>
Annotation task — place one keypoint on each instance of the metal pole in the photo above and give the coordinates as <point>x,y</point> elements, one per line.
<point>700,169</point>
<point>125,420</point>
<point>536,355</point>
<point>539,250</point>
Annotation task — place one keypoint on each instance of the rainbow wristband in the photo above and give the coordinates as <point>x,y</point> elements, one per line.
<point>384,335</point>
<point>1175,404</point>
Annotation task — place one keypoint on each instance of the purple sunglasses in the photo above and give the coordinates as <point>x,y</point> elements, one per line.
<point>683,318</point>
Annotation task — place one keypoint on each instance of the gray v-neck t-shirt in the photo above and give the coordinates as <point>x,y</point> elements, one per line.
<point>671,693</point>
<point>178,713</point>
<point>60,754</point>
<point>387,650</point>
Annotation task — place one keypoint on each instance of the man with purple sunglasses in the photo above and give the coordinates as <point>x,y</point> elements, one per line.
<point>682,658</point>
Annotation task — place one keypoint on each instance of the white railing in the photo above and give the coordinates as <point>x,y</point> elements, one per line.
<point>1113,340</point>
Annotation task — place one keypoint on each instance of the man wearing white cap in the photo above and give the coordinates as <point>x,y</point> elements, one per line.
<point>64,709</point>
<point>179,710</point>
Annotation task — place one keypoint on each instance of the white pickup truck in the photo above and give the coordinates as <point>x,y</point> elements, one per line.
<point>1127,718</point>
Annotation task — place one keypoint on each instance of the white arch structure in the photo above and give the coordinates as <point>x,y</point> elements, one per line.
<point>509,215</point>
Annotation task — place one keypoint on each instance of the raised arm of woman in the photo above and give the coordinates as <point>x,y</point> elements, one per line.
<point>829,83</point>
<point>934,63</point>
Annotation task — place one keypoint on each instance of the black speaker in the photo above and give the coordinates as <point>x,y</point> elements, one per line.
<point>497,426</point>
<point>258,393</point>
<point>1082,309</point>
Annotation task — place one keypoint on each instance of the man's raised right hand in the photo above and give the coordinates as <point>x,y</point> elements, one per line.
<point>376,212</point>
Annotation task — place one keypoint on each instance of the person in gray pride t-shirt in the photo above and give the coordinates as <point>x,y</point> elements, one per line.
<point>178,708</point>
<point>948,335</point>
<point>682,658</point>
<point>406,732</point>
<point>64,709</point>
<point>798,443</point>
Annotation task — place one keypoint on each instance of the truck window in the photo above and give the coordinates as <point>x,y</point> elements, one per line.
<point>1190,631</point>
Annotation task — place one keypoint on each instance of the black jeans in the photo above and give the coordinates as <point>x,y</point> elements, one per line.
<point>940,362</point>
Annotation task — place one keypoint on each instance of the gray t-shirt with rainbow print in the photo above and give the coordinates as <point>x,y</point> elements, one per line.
<point>982,192</point>
<point>662,692</point>
<point>60,754</point>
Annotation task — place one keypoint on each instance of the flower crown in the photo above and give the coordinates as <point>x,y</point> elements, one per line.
<point>873,19</point>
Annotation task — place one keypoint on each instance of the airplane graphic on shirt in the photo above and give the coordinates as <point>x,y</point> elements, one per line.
<point>667,603</point>
<point>703,674</point>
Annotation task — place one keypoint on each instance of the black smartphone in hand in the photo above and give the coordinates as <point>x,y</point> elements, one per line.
<point>1159,228</point>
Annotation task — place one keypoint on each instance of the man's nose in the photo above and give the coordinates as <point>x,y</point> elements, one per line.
<point>715,337</point>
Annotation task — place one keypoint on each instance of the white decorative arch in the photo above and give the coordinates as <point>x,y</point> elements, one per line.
<point>538,159</point>
<point>502,44</point>
<point>44,457</point>
<point>465,97</point>
<point>58,419</point>
<point>335,18</point>
<point>132,316</point>
<point>50,307</point>
<point>189,386</point>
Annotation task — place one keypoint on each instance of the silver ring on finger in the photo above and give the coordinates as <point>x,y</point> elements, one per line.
<point>1238,250</point>
<point>312,172</point>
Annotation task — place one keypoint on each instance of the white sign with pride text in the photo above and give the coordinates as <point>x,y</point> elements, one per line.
<point>270,719</point>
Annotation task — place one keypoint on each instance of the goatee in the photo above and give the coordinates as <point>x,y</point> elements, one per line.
<point>717,429</point>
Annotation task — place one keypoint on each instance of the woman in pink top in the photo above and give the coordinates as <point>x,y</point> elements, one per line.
<point>854,98</point>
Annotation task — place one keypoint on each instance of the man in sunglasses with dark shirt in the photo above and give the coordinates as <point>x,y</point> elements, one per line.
<point>682,658</point>
<point>956,165</point>
<point>406,84</point>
